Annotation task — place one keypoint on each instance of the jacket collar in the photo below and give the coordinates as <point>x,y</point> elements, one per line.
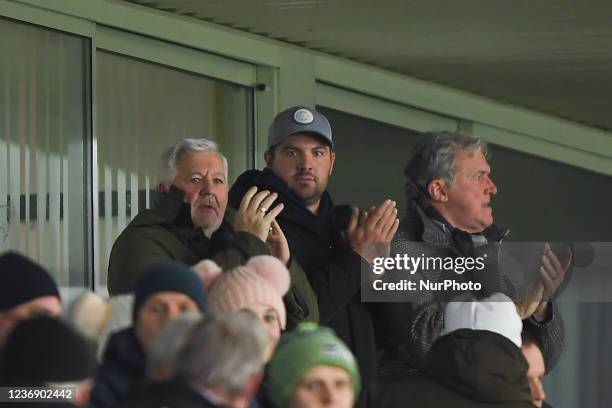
<point>295,210</point>
<point>173,209</point>
<point>439,232</point>
<point>172,212</point>
<point>124,350</point>
<point>266,180</point>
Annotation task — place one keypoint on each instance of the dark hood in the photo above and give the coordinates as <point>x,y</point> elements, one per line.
<point>266,180</point>
<point>326,220</point>
<point>481,365</point>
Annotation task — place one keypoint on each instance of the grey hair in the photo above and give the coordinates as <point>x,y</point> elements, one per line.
<point>433,157</point>
<point>223,352</point>
<point>167,170</point>
<point>168,341</point>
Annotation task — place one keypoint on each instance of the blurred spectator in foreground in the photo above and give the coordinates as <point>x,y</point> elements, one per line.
<point>476,363</point>
<point>220,365</point>
<point>45,352</point>
<point>313,368</point>
<point>258,287</point>
<point>164,292</point>
<point>26,290</point>
<point>161,361</point>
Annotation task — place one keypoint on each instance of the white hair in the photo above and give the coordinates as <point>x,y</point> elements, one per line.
<point>168,341</point>
<point>167,169</point>
<point>223,353</point>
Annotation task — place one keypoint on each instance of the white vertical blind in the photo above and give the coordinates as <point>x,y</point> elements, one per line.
<point>108,212</point>
<point>14,209</point>
<point>42,107</point>
<point>4,153</point>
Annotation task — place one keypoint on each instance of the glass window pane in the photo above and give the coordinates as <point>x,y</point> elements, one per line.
<point>371,160</point>
<point>536,198</point>
<point>42,133</point>
<point>142,109</point>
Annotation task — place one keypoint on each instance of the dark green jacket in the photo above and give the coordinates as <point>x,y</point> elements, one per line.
<point>166,232</point>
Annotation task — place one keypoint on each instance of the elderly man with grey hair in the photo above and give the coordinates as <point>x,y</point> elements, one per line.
<point>188,222</point>
<point>450,216</point>
<point>219,365</point>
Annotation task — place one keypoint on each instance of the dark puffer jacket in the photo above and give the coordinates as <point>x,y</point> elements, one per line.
<point>123,367</point>
<point>464,369</point>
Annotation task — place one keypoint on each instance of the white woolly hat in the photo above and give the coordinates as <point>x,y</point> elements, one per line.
<point>497,314</point>
<point>264,280</point>
<point>88,313</point>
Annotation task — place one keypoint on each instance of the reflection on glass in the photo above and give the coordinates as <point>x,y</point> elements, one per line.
<point>42,130</point>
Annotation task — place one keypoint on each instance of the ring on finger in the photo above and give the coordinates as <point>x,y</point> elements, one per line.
<point>262,209</point>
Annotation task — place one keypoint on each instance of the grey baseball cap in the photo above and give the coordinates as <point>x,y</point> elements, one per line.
<point>299,119</point>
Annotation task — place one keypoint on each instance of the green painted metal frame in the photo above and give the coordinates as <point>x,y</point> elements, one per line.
<point>175,56</point>
<point>380,110</point>
<point>514,127</point>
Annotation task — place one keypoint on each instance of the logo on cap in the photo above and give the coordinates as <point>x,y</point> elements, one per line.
<point>333,351</point>
<point>303,116</point>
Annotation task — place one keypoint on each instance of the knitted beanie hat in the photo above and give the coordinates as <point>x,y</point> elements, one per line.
<point>264,280</point>
<point>22,280</point>
<point>495,313</point>
<point>44,349</point>
<point>302,349</point>
<point>169,276</point>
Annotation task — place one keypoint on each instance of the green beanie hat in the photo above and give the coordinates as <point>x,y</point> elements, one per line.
<point>302,349</point>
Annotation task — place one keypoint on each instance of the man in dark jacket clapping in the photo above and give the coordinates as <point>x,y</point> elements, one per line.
<point>330,248</point>
<point>448,180</point>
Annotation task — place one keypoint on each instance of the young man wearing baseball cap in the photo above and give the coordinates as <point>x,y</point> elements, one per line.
<point>299,161</point>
